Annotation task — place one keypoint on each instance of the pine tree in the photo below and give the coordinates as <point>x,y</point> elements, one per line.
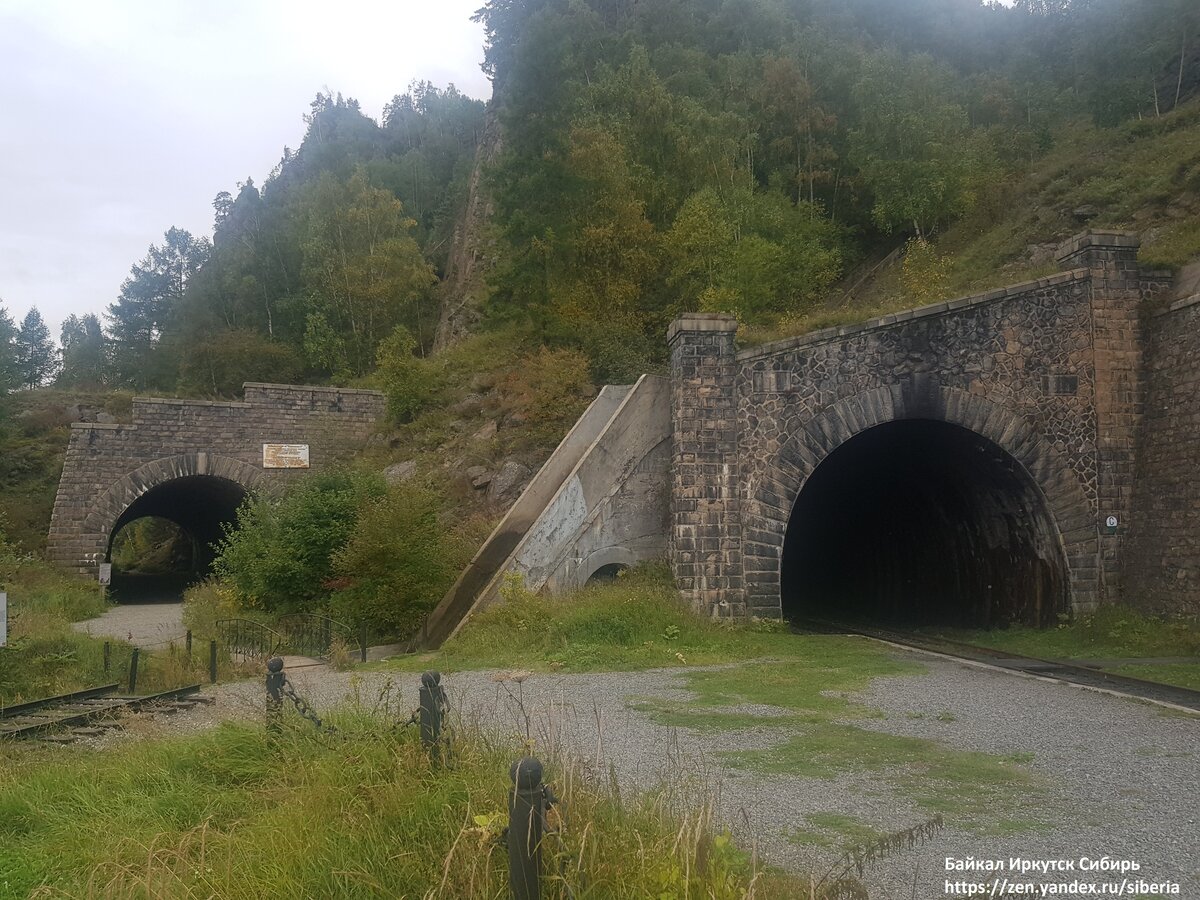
<point>9,378</point>
<point>36,356</point>
<point>83,349</point>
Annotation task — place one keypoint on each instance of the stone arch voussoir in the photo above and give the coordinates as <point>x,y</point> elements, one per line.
<point>111,505</point>
<point>773,497</point>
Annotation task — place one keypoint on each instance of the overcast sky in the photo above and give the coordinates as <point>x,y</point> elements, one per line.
<point>121,118</point>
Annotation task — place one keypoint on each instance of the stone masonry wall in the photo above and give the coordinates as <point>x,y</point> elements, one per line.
<point>1014,365</point>
<point>1048,370</point>
<point>1162,570</point>
<point>109,466</point>
<point>705,539</point>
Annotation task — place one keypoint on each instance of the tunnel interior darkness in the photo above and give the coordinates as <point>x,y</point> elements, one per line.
<point>200,505</point>
<point>920,522</point>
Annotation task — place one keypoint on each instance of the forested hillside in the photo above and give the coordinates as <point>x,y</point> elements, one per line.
<point>793,162</point>
<point>746,156</point>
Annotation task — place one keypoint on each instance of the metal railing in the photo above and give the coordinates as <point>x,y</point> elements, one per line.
<point>249,638</point>
<point>309,634</point>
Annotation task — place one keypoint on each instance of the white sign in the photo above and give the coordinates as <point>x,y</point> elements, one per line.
<point>3,619</point>
<point>1111,521</point>
<point>285,456</point>
<point>106,573</point>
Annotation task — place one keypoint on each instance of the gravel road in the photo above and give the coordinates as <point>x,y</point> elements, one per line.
<point>1117,777</point>
<point>139,623</point>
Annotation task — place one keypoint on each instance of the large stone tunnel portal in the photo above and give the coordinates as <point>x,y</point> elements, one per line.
<point>923,523</point>
<point>200,506</point>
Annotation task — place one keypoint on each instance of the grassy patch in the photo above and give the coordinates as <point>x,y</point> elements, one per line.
<point>637,622</point>
<point>972,787</point>
<point>1182,674</point>
<point>1111,632</point>
<point>229,814</point>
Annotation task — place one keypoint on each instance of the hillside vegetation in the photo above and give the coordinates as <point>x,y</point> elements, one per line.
<point>796,164</point>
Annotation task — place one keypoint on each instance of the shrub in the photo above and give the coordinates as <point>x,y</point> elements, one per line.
<point>207,603</point>
<point>397,565</point>
<point>548,390</point>
<point>924,274</point>
<point>410,382</point>
<point>279,557</point>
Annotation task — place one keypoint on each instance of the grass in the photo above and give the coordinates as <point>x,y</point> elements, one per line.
<point>46,656</point>
<point>835,830</point>
<point>636,622</point>
<point>804,686</point>
<point>1111,632</point>
<point>232,814</point>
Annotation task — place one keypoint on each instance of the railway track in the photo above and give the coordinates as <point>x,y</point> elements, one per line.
<point>87,713</point>
<point>1057,669</point>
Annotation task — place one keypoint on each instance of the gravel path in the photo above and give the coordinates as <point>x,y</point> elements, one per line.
<point>1118,777</point>
<point>139,623</point>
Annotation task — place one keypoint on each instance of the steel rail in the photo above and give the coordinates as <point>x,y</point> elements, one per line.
<point>20,709</point>
<point>1057,669</point>
<point>77,714</point>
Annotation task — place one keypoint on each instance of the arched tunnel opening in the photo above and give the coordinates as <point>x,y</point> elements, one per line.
<point>165,541</point>
<point>922,523</point>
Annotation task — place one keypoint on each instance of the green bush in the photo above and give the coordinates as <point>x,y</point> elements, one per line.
<point>279,557</point>
<point>410,382</point>
<point>397,565</point>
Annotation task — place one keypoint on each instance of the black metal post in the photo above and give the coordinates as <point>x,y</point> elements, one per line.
<point>275,678</point>
<point>432,698</point>
<point>133,667</point>
<point>188,640</point>
<point>212,662</point>
<point>107,657</point>
<point>526,805</point>
<point>362,640</point>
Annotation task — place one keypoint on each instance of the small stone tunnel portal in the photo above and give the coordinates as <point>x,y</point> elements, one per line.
<point>201,506</point>
<point>920,522</point>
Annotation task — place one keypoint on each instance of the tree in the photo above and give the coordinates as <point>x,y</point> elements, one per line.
<point>913,143</point>
<point>362,268</point>
<point>9,377</point>
<point>146,307</point>
<point>36,357</point>
<point>83,351</point>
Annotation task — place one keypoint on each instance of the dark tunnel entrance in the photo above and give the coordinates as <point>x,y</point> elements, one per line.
<point>164,541</point>
<point>921,522</point>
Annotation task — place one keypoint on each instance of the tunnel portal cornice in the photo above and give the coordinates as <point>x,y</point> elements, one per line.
<point>933,310</point>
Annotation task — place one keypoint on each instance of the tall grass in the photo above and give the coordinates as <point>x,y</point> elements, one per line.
<point>234,814</point>
<point>636,622</point>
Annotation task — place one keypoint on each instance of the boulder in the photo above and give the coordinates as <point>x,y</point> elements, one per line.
<point>487,432</point>
<point>400,472</point>
<point>509,480</point>
<point>480,477</point>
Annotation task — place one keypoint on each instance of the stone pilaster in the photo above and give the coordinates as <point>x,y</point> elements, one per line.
<point>1111,259</point>
<point>706,536</point>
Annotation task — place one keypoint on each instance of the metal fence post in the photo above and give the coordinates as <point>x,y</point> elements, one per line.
<point>525,810</point>
<point>133,667</point>
<point>432,698</point>
<point>212,662</point>
<point>275,679</point>
<point>107,657</point>
<point>189,645</point>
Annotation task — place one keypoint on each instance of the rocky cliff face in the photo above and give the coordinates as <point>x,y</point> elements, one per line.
<point>474,253</point>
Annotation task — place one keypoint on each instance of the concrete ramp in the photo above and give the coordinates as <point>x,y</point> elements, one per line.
<point>599,503</point>
<point>460,599</point>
